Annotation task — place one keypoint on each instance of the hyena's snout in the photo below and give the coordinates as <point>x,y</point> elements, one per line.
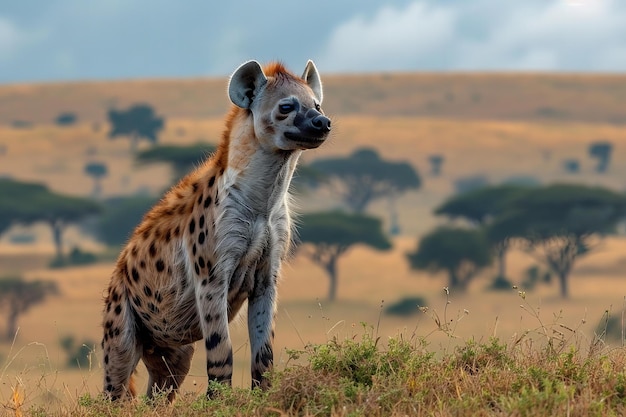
<point>313,128</point>
<point>316,123</point>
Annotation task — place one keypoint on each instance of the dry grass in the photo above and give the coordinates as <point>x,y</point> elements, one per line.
<point>534,97</point>
<point>534,123</point>
<point>36,361</point>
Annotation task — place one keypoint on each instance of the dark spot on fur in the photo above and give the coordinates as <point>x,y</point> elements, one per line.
<point>168,236</point>
<point>201,222</point>
<point>192,226</point>
<point>152,308</point>
<point>213,340</point>
<point>118,309</point>
<point>147,291</point>
<point>158,297</point>
<point>200,199</point>
<point>204,282</point>
<point>211,181</point>
<point>108,324</point>
<point>142,264</point>
<point>109,388</point>
<point>208,201</point>
<point>160,266</point>
<point>197,268</point>
<point>200,262</point>
<point>117,331</point>
<point>195,186</point>
<point>208,318</point>
<point>228,361</point>
<point>194,249</point>
<point>134,250</point>
<point>177,231</point>
<point>137,301</point>
<point>152,250</point>
<point>135,274</point>
<point>106,362</point>
<point>108,307</point>
<point>146,234</point>
<point>115,297</point>
<point>201,238</point>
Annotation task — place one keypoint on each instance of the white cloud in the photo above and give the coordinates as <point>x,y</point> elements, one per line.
<point>393,38</point>
<point>10,38</point>
<point>555,35</point>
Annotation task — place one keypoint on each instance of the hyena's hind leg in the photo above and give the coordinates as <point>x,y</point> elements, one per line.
<point>122,352</point>
<point>167,368</point>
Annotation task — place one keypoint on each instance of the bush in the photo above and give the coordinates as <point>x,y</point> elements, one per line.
<point>406,306</point>
<point>75,257</point>
<point>121,216</point>
<point>500,283</point>
<point>78,356</point>
<point>610,328</point>
<point>66,119</point>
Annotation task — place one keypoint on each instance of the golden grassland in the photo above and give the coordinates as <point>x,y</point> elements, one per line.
<point>498,126</point>
<point>481,96</point>
<point>368,282</point>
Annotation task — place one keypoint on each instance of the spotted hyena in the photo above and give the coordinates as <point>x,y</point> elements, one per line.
<point>214,241</point>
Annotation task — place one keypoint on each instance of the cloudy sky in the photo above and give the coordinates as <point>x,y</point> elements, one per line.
<point>50,40</point>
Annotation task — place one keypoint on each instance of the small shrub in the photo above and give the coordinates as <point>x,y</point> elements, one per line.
<point>75,257</point>
<point>406,306</point>
<point>78,355</point>
<point>500,283</point>
<point>66,119</point>
<point>610,328</point>
<point>21,124</point>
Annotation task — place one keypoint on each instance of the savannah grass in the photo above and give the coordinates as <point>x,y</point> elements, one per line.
<point>551,370</point>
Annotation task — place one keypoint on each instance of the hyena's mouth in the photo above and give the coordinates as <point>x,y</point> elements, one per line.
<point>306,141</point>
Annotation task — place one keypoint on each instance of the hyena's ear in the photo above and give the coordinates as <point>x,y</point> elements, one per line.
<point>245,83</point>
<point>312,78</point>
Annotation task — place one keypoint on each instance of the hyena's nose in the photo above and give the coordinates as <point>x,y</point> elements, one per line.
<point>321,123</point>
<point>317,122</point>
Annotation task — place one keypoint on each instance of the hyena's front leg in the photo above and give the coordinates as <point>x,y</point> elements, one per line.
<point>213,311</point>
<point>261,312</point>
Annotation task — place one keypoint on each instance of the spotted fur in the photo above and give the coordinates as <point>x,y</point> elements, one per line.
<point>215,241</point>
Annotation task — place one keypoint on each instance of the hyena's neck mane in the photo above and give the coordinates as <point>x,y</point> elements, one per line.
<point>257,178</point>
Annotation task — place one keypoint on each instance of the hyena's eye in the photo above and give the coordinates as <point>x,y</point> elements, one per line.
<point>317,106</point>
<point>286,108</point>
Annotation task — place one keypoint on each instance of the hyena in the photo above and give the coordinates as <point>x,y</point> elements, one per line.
<point>214,241</point>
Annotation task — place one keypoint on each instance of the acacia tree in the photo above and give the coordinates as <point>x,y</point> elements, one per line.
<point>97,171</point>
<point>436,162</point>
<point>18,296</point>
<point>31,203</point>
<point>462,253</point>
<point>601,150</point>
<point>136,123</point>
<point>559,224</point>
<point>330,235</point>
<point>364,177</point>
<point>479,207</point>
<point>182,159</point>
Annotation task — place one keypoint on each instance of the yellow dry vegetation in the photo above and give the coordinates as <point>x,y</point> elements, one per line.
<point>496,126</point>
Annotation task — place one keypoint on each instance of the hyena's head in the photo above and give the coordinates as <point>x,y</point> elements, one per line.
<point>286,109</point>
